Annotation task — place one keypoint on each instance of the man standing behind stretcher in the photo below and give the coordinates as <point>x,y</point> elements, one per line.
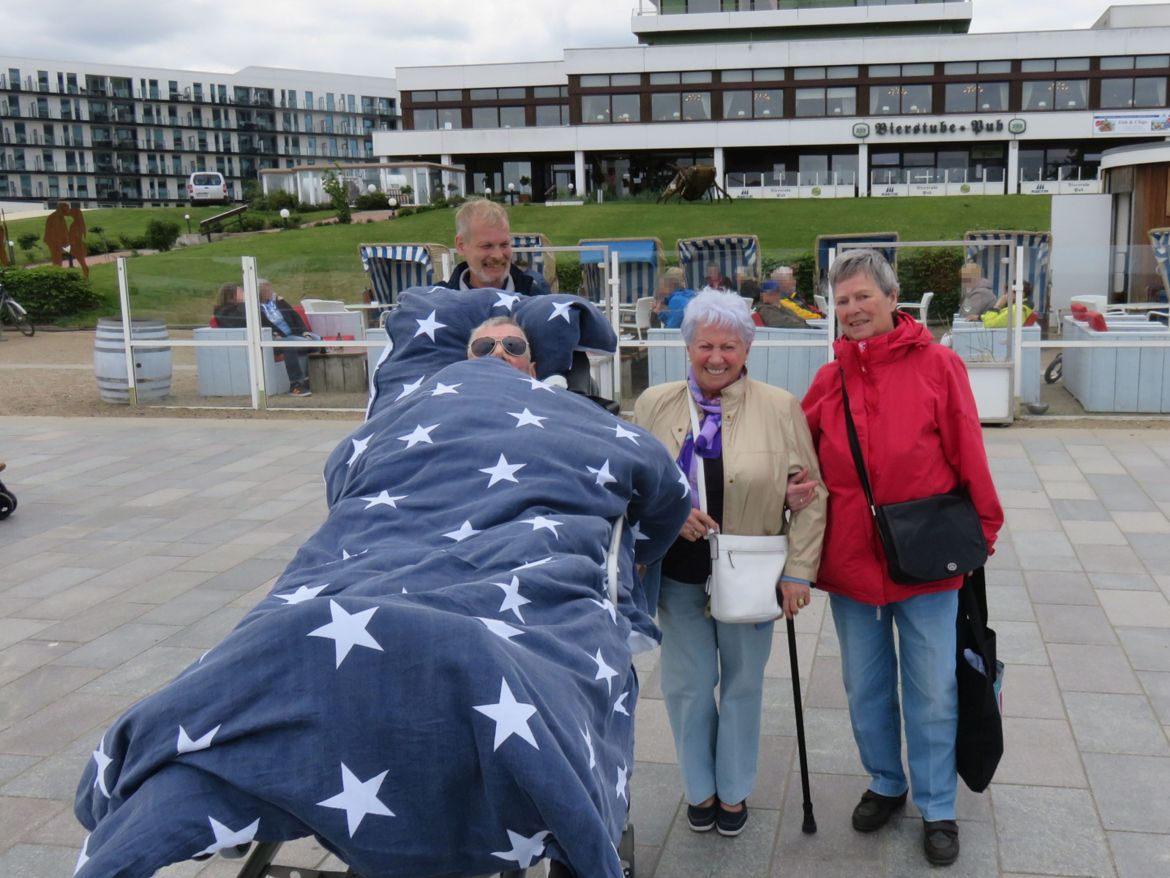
<point>484,240</point>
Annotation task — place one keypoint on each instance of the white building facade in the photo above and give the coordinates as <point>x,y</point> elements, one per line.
<point>793,98</point>
<point>108,134</point>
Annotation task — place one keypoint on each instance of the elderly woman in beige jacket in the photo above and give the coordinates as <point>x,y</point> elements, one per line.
<point>752,438</point>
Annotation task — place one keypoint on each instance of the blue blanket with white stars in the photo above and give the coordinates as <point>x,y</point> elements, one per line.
<point>439,684</point>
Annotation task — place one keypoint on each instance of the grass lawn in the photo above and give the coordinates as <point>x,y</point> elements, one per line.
<point>322,261</point>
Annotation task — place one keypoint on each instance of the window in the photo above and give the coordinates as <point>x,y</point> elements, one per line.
<point>1142,91</point>
<point>484,94</point>
<point>768,74</point>
<point>955,68</point>
<point>692,77</point>
<point>841,101</point>
<point>847,71</point>
<point>889,100</point>
<point>971,97</point>
<point>762,103</point>
<point>892,70</point>
<point>549,91</point>
<point>511,94</point>
<point>595,80</point>
<point>594,108</point>
<point>552,116</point>
<point>810,102</point>
<point>485,117</point>
<point>808,73</point>
<point>419,97</point>
<point>1058,94</point>
<point>727,76</point>
<point>627,108</point>
<point>626,79</point>
<point>665,78</point>
<point>449,94</point>
<point>667,107</point>
<point>512,117</point>
<point>696,106</point>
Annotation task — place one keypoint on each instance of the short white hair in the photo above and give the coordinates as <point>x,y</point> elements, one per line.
<point>712,307</point>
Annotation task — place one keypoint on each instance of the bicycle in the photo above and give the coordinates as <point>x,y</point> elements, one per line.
<point>12,312</point>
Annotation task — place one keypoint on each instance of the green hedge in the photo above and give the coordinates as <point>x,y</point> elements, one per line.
<point>931,269</point>
<point>49,293</point>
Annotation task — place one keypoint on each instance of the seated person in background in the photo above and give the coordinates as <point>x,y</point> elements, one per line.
<point>749,288</point>
<point>502,337</point>
<point>975,293</point>
<point>713,278</point>
<point>279,316</point>
<point>772,310</point>
<point>785,279</point>
<point>229,306</point>
<point>672,297</point>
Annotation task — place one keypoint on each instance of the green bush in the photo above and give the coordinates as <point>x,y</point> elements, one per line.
<point>569,276</point>
<point>372,201</point>
<point>405,211</point>
<point>251,223</point>
<point>161,235</point>
<point>931,269</point>
<point>49,293</point>
<point>132,242</point>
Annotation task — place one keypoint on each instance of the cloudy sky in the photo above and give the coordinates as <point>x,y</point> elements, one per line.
<point>373,36</point>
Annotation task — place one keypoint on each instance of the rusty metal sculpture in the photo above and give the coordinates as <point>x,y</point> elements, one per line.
<point>692,182</point>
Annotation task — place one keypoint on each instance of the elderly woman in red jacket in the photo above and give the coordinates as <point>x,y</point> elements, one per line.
<point>919,434</point>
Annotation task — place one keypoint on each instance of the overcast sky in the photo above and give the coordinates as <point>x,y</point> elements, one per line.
<point>373,37</point>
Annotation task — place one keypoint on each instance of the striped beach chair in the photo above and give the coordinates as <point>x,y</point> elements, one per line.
<point>1037,247</point>
<point>825,243</point>
<point>1160,247</point>
<point>396,267</point>
<point>543,262</point>
<point>639,262</point>
<point>729,252</point>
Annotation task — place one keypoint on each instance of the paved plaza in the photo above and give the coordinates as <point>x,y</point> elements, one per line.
<point>139,543</point>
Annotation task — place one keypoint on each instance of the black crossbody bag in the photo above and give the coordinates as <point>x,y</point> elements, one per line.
<point>924,540</point>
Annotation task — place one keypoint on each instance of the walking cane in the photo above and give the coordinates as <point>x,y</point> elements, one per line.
<point>809,826</point>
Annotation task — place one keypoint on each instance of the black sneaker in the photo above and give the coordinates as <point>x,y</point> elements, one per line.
<point>701,819</point>
<point>940,841</point>
<point>731,823</point>
<point>874,810</point>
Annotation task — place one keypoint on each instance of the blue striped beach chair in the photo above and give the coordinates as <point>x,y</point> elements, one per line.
<point>393,268</point>
<point>543,262</point>
<point>1037,247</point>
<point>639,261</point>
<point>825,243</point>
<point>729,252</point>
<point>1160,247</point>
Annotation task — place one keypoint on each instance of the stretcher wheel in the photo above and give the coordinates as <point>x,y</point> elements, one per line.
<point>626,851</point>
<point>7,504</point>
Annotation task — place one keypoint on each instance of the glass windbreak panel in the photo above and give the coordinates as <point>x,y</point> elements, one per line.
<point>814,169</point>
<point>595,80</point>
<point>916,98</point>
<point>957,68</point>
<point>1146,62</point>
<point>995,66</point>
<point>449,94</point>
<point>511,117</point>
<point>594,109</point>
<point>841,101</point>
<point>626,79</point>
<point>917,69</point>
<point>768,102</point>
<point>1149,91</point>
<point>727,76</point>
<point>1072,64</point>
<point>627,108</point>
<point>810,102</point>
<point>736,105</point>
<point>696,106</point>
<point>844,167</point>
<point>1037,65</point>
<point>665,107</point>
<point>485,117</point>
<point>691,77</point>
<point>667,78</point>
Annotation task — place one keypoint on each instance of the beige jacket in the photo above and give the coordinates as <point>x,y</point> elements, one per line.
<point>765,439</point>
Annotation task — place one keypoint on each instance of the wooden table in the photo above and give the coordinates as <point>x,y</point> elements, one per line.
<point>341,371</point>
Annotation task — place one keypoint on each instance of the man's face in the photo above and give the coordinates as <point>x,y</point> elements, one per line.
<point>266,292</point>
<point>488,251</point>
<point>787,285</point>
<point>504,336</point>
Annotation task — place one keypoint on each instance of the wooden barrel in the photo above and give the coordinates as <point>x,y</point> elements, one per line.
<point>152,365</point>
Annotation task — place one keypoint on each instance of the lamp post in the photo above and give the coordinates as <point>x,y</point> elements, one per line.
<point>487,193</point>
<point>284,217</point>
<point>512,194</point>
<point>393,207</point>
<point>572,189</point>
<point>187,217</point>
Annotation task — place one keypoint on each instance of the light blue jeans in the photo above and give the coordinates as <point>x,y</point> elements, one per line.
<point>717,747</point>
<point>930,706</point>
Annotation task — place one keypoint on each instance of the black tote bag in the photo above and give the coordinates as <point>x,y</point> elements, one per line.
<point>979,737</point>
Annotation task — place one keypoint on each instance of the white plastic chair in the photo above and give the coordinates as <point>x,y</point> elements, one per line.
<point>322,306</point>
<point>821,302</point>
<point>643,308</point>
<point>921,306</point>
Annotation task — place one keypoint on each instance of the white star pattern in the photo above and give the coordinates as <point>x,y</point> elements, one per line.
<point>103,761</point>
<point>505,300</point>
<point>359,446</point>
<point>83,857</point>
<point>189,745</point>
<point>531,564</point>
<point>540,522</point>
<point>345,555</point>
<point>621,432</point>
<point>619,706</point>
<point>560,309</point>
<point>383,499</point>
<point>408,389</point>
<point>510,716</point>
<point>465,531</point>
<point>686,486</point>
<point>513,600</point>
<point>442,389</point>
<point>537,384</point>
<point>623,779</point>
<point>603,475</point>
<point>347,631</point>
<point>503,471</point>
<point>636,532</point>
<point>589,746</point>
<point>428,326</point>
<point>604,672</point>
<point>226,837</point>
<point>525,849</point>
<point>500,629</point>
<point>607,605</point>
<point>358,798</point>
<point>420,434</point>
<point>302,594</point>
<point>526,417</point>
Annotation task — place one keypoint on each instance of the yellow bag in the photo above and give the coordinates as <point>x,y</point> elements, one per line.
<point>1006,317</point>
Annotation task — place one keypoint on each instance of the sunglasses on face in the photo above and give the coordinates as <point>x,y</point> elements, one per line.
<point>514,346</point>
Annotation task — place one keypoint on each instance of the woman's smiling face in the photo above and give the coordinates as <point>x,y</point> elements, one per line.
<point>863,310</point>
<point>718,356</point>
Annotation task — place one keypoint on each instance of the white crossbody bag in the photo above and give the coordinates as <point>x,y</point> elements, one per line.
<point>744,570</point>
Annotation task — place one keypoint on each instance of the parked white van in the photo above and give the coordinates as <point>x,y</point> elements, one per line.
<point>207,186</point>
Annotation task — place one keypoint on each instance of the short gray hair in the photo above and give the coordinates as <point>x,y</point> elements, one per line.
<point>864,260</point>
<point>480,210</point>
<point>718,309</point>
<point>499,320</point>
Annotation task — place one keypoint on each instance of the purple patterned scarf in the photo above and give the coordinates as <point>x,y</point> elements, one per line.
<point>708,444</point>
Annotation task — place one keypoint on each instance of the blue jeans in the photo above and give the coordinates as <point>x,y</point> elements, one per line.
<point>717,746</point>
<point>930,706</point>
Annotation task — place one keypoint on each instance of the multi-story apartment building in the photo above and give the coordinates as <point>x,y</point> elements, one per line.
<point>802,98</point>
<point>108,134</point>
